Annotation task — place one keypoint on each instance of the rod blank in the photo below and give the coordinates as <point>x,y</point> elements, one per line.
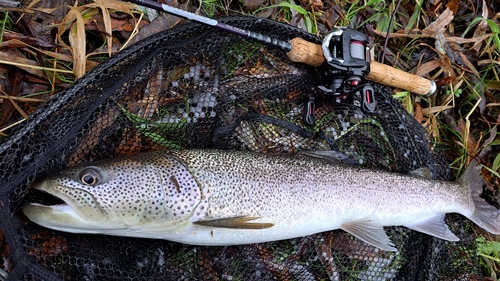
<point>302,51</point>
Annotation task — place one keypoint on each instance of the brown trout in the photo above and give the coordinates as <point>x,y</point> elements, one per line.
<point>209,197</point>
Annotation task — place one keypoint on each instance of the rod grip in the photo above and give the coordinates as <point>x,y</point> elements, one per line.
<point>306,52</point>
<point>312,54</point>
<point>388,75</point>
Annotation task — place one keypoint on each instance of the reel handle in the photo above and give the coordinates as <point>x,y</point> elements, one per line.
<point>312,54</point>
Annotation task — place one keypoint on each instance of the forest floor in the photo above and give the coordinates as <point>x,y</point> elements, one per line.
<point>46,45</point>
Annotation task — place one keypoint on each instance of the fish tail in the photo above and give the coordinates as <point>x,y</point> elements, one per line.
<point>485,215</point>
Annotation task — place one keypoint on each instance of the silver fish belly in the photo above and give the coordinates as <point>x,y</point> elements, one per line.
<point>209,197</point>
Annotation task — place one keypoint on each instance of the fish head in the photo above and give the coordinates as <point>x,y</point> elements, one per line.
<point>124,193</point>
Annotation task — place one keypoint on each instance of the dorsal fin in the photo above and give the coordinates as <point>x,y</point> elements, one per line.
<point>422,172</point>
<point>332,156</point>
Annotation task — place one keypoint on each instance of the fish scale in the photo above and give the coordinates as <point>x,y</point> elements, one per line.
<point>210,197</point>
<point>264,172</point>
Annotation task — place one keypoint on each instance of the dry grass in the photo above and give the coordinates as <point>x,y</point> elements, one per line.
<point>458,45</point>
<point>455,43</point>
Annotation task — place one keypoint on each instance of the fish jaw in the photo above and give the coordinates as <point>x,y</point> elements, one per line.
<point>79,216</point>
<point>64,218</point>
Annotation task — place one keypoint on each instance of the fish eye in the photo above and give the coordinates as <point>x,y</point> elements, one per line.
<point>89,176</point>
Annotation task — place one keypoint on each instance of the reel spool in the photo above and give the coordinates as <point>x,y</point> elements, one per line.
<point>346,52</point>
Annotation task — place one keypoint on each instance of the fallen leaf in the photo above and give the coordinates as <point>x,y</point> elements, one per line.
<point>77,41</point>
<point>14,42</point>
<point>440,42</point>
<point>76,38</point>
<point>453,6</point>
<point>417,114</point>
<point>469,65</point>
<point>253,5</point>
<point>29,66</point>
<point>492,137</point>
<point>312,4</point>
<point>157,25</point>
<point>445,80</point>
<point>124,7</point>
<point>13,88</point>
<point>460,40</point>
<point>447,67</point>
<point>440,23</point>
<point>96,23</point>
<point>33,41</point>
<point>482,27</point>
<point>427,67</point>
<point>492,85</point>
<point>127,24</point>
<point>332,15</point>
<point>436,109</point>
<point>107,22</point>
<point>28,9</point>
<point>413,34</point>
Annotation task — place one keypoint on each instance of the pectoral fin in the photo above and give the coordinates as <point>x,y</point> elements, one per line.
<point>370,231</point>
<point>240,222</point>
<point>434,226</point>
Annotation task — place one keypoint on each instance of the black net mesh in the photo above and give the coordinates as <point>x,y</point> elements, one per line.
<point>194,87</point>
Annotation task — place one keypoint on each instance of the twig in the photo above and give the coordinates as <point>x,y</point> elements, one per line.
<point>21,99</point>
<point>389,31</point>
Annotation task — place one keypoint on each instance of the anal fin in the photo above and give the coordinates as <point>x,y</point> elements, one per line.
<point>371,231</point>
<point>240,222</point>
<point>434,226</point>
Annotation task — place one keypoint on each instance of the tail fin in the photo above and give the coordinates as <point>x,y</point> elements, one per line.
<point>485,215</point>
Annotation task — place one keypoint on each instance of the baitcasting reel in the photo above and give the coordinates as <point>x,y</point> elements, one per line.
<point>346,52</point>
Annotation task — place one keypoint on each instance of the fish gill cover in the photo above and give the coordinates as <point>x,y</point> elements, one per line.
<point>194,87</point>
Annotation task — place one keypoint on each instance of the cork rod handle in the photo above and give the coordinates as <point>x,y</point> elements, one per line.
<point>388,75</point>
<point>309,53</point>
<point>306,52</point>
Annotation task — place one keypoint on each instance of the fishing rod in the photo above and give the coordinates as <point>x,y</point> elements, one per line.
<point>302,51</point>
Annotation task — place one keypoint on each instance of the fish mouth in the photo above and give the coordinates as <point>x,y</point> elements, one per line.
<point>43,198</point>
<point>42,201</point>
<point>49,209</point>
<point>43,195</point>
